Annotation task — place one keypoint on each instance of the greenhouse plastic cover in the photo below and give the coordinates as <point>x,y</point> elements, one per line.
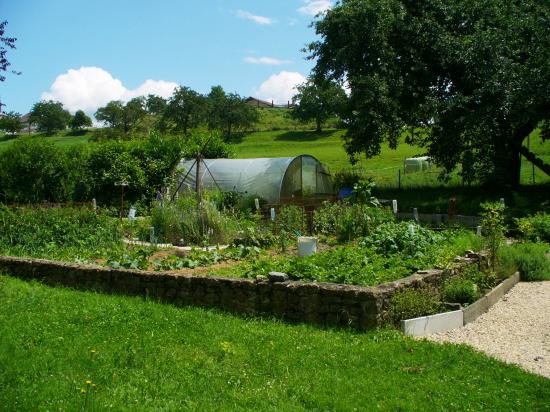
<point>417,164</point>
<point>261,177</point>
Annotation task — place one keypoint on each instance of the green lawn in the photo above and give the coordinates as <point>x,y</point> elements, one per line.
<point>142,355</point>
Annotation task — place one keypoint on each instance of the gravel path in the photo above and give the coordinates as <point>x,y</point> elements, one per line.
<point>516,329</point>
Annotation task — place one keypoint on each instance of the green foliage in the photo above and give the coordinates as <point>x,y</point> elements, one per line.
<point>535,228</point>
<point>460,290</point>
<point>8,42</point>
<point>120,116</point>
<point>318,101</point>
<point>483,279</point>
<point>377,263</point>
<point>80,120</point>
<point>11,122</point>
<point>408,239</point>
<point>198,257</point>
<point>210,145</point>
<point>531,259</point>
<point>183,222</point>
<point>131,258</point>
<point>348,221</point>
<point>49,116</point>
<point>229,113</point>
<point>449,80</point>
<point>185,109</point>
<point>411,303</point>
<point>59,233</point>
<point>155,105</point>
<point>363,193</point>
<point>32,171</point>
<point>492,229</point>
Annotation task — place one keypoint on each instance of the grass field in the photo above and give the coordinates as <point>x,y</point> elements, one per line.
<point>69,350</point>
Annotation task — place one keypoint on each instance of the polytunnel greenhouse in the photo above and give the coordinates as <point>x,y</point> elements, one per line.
<point>275,180</point>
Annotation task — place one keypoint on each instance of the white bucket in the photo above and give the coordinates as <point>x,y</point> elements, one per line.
<point>307,245</point>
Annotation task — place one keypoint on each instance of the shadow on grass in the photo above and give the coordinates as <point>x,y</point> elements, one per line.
<point>523,201</point>
<point>304,135</point>
<point>81,132</point>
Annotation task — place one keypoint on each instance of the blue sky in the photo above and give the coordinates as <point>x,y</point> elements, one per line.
<point>85,53</point>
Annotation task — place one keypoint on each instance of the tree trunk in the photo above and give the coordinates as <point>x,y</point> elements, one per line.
<point>318,122</point>
<point>538,162</point>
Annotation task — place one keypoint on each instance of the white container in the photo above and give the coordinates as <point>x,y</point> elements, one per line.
<point>307,245</point>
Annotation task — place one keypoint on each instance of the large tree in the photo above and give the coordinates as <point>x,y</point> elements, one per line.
<point>229,112</point>
<point>122,116</point>
<point>11,122</point>
<point>80,120</point>
<point>49,116</point>
<point>318,101</point>
<point>185,109</point>
<point>469,79</point>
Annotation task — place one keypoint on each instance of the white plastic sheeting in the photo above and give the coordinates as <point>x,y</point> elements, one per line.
<point>417,164</point>
<point>267,178</point>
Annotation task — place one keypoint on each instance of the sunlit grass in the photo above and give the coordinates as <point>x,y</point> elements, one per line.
<point>143,355</point>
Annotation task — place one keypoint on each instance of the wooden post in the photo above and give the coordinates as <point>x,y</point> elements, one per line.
<point>399,174</point>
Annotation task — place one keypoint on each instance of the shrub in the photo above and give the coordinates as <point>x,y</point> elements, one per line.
<point>348,221</point>
<point>529,258</point>
<point>492,226</point>
<point>33,170</point>
<point>411,303</point>
<point>182,222</point>
<point>535,228</point>
<point>484,279</point>
<point>461,290</point>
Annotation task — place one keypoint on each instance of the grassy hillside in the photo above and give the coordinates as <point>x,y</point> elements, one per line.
<point>68,350</point>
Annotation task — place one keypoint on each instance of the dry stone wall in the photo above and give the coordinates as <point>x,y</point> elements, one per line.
<point>320,303</point>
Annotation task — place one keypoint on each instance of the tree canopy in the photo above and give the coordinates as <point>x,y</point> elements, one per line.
<point>80,120</point>
<point>5,44</point>
<point>49,116</point>
<point>468,80</point>
<point>11,122</point>
<point>122,116</point>
<point>318,101</point>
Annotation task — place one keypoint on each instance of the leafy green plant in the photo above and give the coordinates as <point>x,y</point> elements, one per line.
<point>460,290</point>
<point>529,258</point>
<point>492,229</point>
<point>535,228</point>
<point>483,279</point>
<point>59,233</point>
<point>131,258</point>
<point>348,221</point>
<point>363,193</point>
<point>405,238</point>
<point>411,303</point>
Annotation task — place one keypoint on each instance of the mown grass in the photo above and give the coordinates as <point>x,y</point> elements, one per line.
<point>143,355</point>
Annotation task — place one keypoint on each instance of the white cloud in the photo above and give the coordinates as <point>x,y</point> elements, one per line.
<point>89,88</point>
<point>252,17</point>
<point>265,60</point>
<point>314,7</point>
<point>280,87</point>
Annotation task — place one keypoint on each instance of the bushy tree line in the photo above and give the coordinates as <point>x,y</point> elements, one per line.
<point>34,170</point>
<point>184,111</point>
